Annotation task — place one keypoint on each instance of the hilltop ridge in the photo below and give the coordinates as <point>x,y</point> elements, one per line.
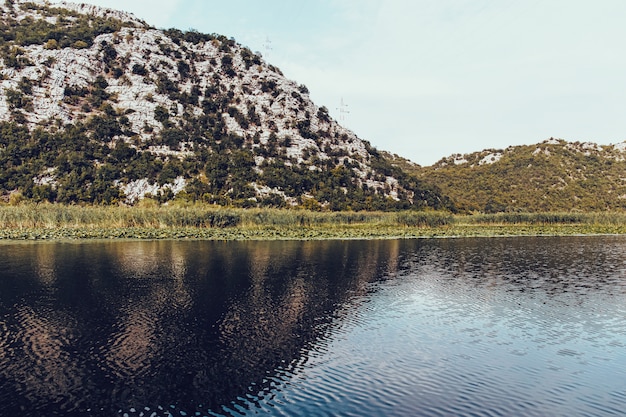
<point>101,107</point>
<point>554,175</point>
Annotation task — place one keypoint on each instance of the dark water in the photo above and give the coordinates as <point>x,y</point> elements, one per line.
<point>467,327</point>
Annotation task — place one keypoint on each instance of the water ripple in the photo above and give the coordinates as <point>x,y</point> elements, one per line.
<point>500,327</point>
<point>506,341</point>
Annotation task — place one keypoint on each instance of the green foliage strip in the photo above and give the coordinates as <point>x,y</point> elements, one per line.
<point>27,221</point>
<point>49,216</point>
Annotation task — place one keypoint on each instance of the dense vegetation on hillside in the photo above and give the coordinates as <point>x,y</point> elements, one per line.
<point>551,176</point>
<point>98,107</point>
<point>70,29</point>
<point>228,171</point>
<point>101,108</point>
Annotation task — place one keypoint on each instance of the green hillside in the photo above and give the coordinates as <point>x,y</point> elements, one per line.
<point>551,176</point>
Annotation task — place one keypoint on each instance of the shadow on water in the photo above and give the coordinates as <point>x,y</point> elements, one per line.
<point>147,326</point>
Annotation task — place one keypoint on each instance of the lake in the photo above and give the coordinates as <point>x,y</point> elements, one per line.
<point>432,327</point>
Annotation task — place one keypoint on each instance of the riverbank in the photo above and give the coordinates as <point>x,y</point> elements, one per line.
<point>58,222</point>
<point>306,233</point>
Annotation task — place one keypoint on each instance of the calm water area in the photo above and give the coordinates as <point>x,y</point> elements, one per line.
<point>462,327</point>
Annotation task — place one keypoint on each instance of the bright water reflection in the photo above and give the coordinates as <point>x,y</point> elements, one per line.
<point>524,326</point>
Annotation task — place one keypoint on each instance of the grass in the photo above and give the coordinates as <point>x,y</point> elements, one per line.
<point>52,221</point>
<point>613,218</point>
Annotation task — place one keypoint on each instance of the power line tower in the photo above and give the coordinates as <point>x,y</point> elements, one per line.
<point>343,110</point>
<point>267,46</point>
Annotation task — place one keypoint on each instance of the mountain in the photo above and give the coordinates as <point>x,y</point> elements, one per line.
<point>97,106</point>
<point>554,175</point>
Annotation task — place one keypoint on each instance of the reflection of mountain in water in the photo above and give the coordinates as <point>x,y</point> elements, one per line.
<point>108,328</point>
<point>100,327</point>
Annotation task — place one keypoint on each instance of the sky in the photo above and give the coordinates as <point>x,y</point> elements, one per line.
<point>426,79</point>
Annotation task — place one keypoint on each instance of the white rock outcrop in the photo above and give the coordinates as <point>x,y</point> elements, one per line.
<point>149,59</point>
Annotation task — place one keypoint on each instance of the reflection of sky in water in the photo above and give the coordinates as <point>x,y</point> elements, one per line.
<point>450,337</point>
<point>512,326</point>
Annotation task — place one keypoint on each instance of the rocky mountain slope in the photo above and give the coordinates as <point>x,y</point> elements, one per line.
<point>554,175</point>
<point>98,106</point>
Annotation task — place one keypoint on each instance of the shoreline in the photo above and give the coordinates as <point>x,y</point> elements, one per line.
<point>53,222</point>
<point>342,232</point>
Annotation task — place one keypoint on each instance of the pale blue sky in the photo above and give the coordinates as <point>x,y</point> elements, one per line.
<point>428,78</point>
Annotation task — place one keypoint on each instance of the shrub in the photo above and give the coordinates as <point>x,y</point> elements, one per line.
<point>161,114</point>
<point>80,45</point>
<point>51,44</point>
<point>139,69</point>
<point>16,198</point>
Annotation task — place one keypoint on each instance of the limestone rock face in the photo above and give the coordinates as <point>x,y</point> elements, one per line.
<point>176,95</point>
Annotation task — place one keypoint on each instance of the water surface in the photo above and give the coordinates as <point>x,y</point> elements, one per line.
<point>481,327</point>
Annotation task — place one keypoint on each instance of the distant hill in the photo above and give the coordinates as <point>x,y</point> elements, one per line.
<point>97,106</point>
<point>554,175</point>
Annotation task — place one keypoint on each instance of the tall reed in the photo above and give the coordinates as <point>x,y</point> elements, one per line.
<point>50,216</point>
<point>57,216</point>
<point>600,218</point>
